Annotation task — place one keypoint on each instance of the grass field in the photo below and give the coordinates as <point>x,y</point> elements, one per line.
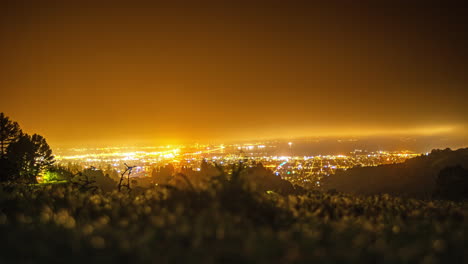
<point>58,224</point>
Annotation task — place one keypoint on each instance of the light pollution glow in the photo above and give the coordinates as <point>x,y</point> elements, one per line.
<point>419,131</point>
<point>157,74</point>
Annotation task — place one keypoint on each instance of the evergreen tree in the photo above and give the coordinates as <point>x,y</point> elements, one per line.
<point>30,155</point>
<point>9,133</point>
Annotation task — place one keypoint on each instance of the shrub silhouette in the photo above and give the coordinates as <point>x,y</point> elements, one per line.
<point>452,183</point>
<point>225,223</point>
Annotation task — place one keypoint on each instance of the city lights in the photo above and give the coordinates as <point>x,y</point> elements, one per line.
<point>301,170</point>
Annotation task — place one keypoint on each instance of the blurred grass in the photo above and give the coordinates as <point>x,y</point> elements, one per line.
<point>225,224</point>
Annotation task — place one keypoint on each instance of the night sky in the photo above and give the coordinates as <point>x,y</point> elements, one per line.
<point>140,73</point>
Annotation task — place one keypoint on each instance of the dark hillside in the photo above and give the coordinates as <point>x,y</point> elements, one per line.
<point>416,177</point>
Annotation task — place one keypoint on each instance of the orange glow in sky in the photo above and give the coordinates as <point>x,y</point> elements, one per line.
<point>167,73</point>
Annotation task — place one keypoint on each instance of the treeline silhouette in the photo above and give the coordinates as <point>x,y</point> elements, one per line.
<point>441,174</point>
<point>251,176</point>
<point>22,156</point>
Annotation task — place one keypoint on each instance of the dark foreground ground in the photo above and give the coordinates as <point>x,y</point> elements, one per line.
<point>58,224</point>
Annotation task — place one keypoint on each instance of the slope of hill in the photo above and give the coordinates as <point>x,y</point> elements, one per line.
<point>416,177</point>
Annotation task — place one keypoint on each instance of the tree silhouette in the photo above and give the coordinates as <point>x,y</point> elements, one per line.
<point>163,175</point>
<point>84,182</point>
<point>30,155</point>
<point>121,184</point>
<point>9,133</point>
